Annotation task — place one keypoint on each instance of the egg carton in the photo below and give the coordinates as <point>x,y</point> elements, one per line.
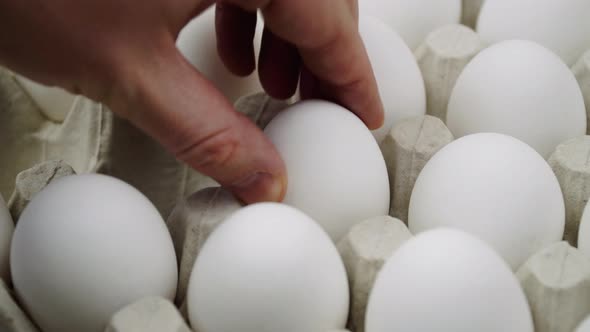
<point>90,139</point>
<point>556,279</point>
<point>40,147</point>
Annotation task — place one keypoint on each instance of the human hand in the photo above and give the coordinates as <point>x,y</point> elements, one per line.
<point>123,53</point>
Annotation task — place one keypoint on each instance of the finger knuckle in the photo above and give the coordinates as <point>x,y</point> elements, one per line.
<point>210,151</point>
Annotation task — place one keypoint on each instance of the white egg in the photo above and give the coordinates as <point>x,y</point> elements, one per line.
<point>268,268</point>
<point>198,43</point>
<point>85,247</point>
<point>336,172</point>
<point>399,79</point>
<point>447,281</point>
<point>413,19</point>
<point>6,230</point>
<point>562,26</point>
<point>495,187</point>
<point>55,103</point>
<point>521,89</point>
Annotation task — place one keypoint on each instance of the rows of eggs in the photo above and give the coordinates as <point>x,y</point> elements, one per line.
<point>276,266</point>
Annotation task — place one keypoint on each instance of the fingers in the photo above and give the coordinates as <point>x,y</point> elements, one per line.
<point>279,66</point>
<point>279,60</point>
<point>173,103</point>
<point>330,45</point>
<point>308,85</point>
<point>326,36</point>
<point>235,29</point>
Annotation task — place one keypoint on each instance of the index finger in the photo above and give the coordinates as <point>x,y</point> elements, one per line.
<point>326,35</point>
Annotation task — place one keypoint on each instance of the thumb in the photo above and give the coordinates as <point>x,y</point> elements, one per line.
<point>172,102</point>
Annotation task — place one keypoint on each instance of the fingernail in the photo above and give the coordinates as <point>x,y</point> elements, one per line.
<point>259,187</point>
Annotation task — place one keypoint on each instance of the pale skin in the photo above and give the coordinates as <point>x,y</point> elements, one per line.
<point>122,53</point>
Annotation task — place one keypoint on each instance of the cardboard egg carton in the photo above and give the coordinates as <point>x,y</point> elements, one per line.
<point>470,12</point>
<point>442,58</point>
<point>40,147</point>
<point>556,281</point>
<point>90,139</point>
<point>39,150</point>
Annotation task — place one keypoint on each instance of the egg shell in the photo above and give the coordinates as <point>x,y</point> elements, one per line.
<point>562,26</point>
<point>446,280</point>
<point>398,76</point>
<point>198,43</point>
<point>54,102</point>
<point>86,246</point>
<point>336,172</point>
<point>268,268</point>
<point>495,187</point>
<point>6,230</point>
<point>413,19</point>
<point>518,88</point>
